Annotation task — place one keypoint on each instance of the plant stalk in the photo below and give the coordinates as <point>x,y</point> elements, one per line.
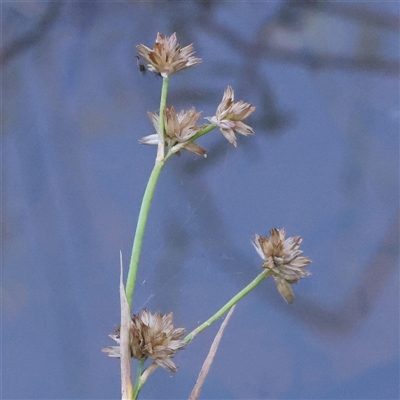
<point>139,371</point>
<point>140,228</point>
<point>163,102</point>
<point>228,305</point>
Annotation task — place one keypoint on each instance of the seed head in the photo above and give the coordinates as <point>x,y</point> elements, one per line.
<point>229,116</point>
<point>283,257</point>
<point>152,336</point>
<point>179,128</point>
<point>166,57</point>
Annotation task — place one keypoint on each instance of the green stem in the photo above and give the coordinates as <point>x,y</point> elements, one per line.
<point>200,133</point>
<point>228,305</point>
<point>163,102</point>
<point>205,130</point>
<point>141,225</point>
<point>139,370</point>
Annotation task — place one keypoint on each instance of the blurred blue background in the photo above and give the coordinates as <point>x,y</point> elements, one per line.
<point>323,164</point>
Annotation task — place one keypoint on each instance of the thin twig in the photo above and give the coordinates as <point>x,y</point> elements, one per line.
<point>210,358</point>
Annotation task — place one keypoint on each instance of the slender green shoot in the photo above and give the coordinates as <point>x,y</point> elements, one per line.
<point>179,146</point>
<point>140,228</point>
<point>148,195</point>
<point>137,387</point>
<point>206,129</point>
<point>228,305</point>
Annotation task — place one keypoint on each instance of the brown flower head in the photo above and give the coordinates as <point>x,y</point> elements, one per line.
<point>152,336</point>
<point>179,129</point>
<point>229,116</point>
<point>283,257</point>
<point>167,57</point>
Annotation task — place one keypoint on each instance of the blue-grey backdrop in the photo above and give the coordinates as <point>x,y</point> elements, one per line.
<point>323,164</point>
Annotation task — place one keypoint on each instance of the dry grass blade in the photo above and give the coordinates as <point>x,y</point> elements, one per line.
<point>126,382</point>
<point>210,358</point>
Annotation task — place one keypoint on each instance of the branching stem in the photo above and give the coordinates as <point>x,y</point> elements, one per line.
<point>228,305</point>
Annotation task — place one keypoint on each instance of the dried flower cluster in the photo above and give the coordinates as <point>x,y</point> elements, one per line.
<point>152,336</point>
<point>179,128</point>
<point>283,257</point>
<point>229,117</point>
<point>166,57</point>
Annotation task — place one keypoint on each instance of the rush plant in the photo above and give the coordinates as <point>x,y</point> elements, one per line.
<point>153,337</point>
